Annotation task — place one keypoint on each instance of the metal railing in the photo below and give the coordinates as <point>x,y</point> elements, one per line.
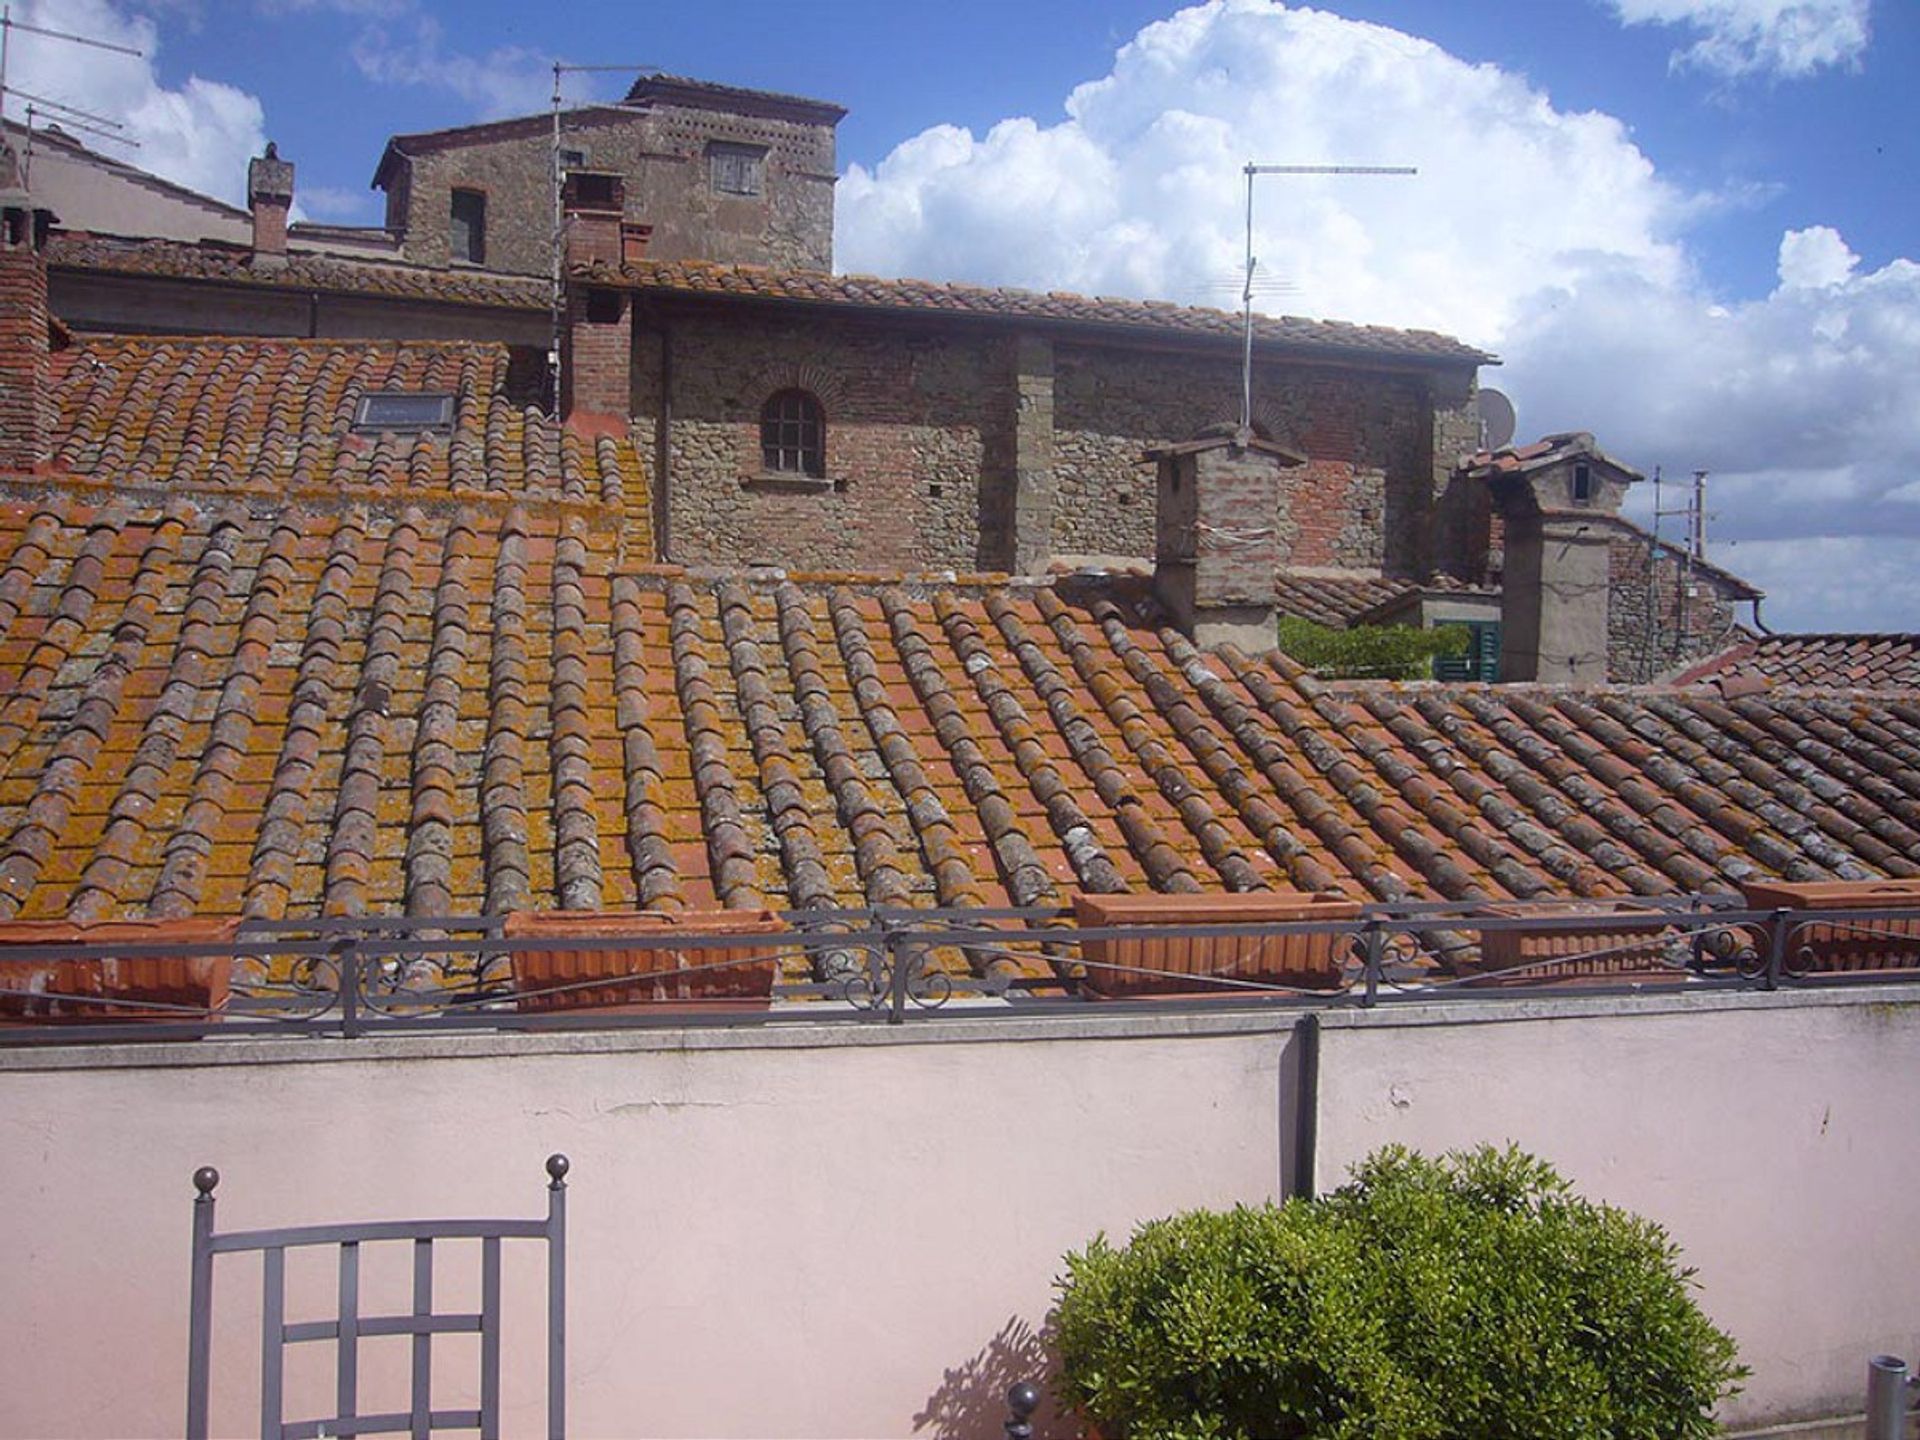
<point>354,977</point>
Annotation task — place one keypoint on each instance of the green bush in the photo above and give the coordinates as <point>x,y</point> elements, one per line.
<point>1370,652</point>
<point>1472,1296</point>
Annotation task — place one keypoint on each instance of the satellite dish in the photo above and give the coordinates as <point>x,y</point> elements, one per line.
<point>1496,419</point>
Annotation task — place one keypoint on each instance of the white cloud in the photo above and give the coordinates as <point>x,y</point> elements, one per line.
<point>506,81</point>
<point>1791,38</point>
<point>1805,403</point>
<point>336,206</point>
<point>199,135</point>
<point>1841,584</point>
<point>1814,258</point>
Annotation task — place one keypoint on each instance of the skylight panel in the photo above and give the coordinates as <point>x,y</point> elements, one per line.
<point>404,411</point>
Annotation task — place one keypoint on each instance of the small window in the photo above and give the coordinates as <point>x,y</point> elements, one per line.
<point>793,435</point>
<point>404,411</point>
<point>1582,483</point>
<point>467,234</point>
<point>573,160</point>
<point>735,169</point>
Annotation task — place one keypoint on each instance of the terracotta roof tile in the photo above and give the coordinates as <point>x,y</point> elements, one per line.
<point>1336,601</point>
<point>817,287</point>
<point>235,265</point>
<point>1833,662</point>
<point>470,707</point>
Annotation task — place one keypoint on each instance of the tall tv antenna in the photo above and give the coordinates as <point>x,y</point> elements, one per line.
<point>557,238</point>
<point>1246,295</point>
<point>1694,514</point>
<point>65,114</point>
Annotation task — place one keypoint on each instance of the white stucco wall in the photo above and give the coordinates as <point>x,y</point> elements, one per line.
<point>814,1231</point>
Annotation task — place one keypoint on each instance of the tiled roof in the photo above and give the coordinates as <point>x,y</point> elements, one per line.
<point>1845,662</point>
<point>1339,601</point>
<point>1519,459</point>
<point>815,287</point>
<point>1336,600</point>
<point>275,419</point>
<point>215,707</point>
<point>230,264</point>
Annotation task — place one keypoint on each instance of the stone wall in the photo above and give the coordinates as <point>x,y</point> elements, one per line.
<point>1661,611</point>
<point>973,448</point>
<point>913,426</point>
<point>1369,469</point>
<point>662,152</point>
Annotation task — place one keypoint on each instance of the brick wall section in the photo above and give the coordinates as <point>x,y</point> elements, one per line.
<point>1234,558</point>
<point>662,153</point>
<point>1653,622</point>
<point>1369,472</point>
<point>597,373</point>
<point>26,400</point>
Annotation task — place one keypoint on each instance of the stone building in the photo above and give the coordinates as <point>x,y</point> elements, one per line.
<point>802,420</point>
<point>709,172</point>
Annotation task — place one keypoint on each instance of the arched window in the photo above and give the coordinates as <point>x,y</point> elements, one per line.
<point>793,434</point>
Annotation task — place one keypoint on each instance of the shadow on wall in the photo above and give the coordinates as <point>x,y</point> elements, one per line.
<point>971,1401</point>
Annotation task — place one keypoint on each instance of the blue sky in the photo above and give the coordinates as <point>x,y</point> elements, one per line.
<point>1688,225</point>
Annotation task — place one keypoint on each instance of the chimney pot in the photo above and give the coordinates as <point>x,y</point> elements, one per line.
<point>270,197</point>
<point>1216,543</point>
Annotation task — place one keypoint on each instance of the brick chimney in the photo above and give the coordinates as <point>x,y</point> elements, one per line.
<point>269,197</point>
<point>596,359</point>
<point>26,394</point>
<point>1216,549</point>
<point>1551,497</point>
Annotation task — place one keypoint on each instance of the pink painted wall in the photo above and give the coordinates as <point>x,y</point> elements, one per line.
<point>1777,1145</point>
<point>855,1239</point>
<point>853,1231</point>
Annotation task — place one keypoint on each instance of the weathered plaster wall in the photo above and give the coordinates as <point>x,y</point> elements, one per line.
<point>662,152</point>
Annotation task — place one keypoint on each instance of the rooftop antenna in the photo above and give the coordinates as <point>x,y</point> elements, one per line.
<point>557,240</point>
<point>67,114</point>
<point>1246,295</point>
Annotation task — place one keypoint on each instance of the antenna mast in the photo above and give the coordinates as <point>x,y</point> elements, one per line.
<point>73,115</point>
<point>1246,296</point>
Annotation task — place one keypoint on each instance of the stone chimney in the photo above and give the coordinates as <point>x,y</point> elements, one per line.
<point>1552,498</point>
<point>269,197</point>
<point>596,360</point>
<point>26,394</point>
<point>1216,548</point>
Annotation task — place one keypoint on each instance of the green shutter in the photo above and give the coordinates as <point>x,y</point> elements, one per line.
<point>1482,658</point>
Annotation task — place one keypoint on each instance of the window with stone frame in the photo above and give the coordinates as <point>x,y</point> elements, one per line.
<point>735,169</point>
<point>467,227</point>
<point>793,435</point>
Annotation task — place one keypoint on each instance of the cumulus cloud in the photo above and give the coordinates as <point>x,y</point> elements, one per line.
<point>509,80</point>
<point>1805,402</point>
<point>1138,190</point>
<point>1791,38</point>
<point>199,135</point>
